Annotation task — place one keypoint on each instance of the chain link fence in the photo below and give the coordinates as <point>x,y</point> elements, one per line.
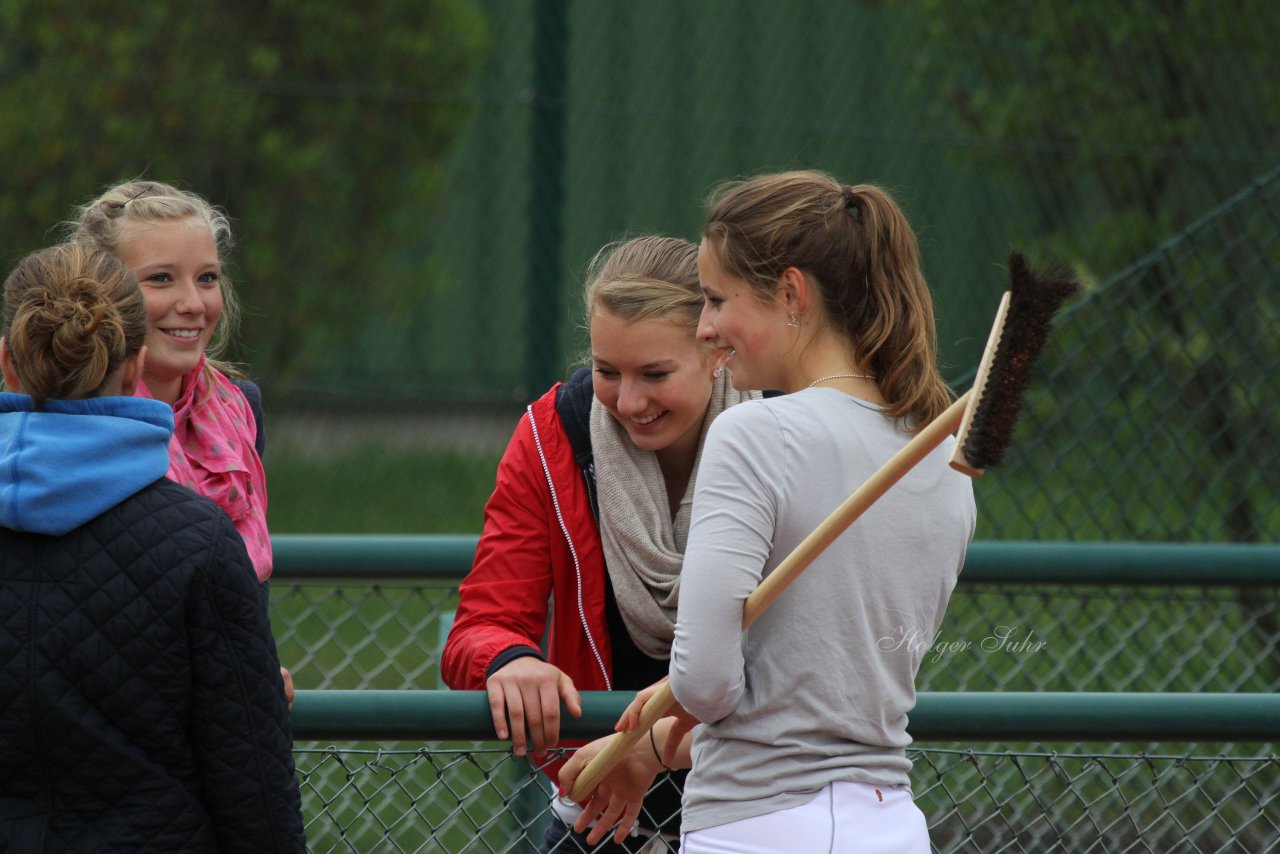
<point>386,635</point>
<point>1154,416</point>
<point>1032,800</point>
<point>1183,636</point>
<point>1092,135</point>
<point>995,637</point>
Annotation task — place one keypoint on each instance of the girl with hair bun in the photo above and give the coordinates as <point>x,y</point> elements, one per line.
<point>174,242</point>
<point>800,745</point>
<point>141,702</point>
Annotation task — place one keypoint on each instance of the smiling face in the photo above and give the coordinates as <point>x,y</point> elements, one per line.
<point>653,377</point>
<point>735,319</point>
<point>177,264</point>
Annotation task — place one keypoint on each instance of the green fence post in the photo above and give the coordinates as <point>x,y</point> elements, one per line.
<point>546,193</point>
<point>549,51</point>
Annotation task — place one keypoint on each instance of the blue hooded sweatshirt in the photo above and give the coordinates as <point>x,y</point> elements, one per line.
<point>67,461</point>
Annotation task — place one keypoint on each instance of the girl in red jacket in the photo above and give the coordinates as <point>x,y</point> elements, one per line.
<point>589,515</point>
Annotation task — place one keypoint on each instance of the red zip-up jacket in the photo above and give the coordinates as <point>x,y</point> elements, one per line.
<point>540,549</point>
<point>540,544</point>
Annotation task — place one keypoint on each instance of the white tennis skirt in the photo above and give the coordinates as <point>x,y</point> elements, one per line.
<point>843,818</point>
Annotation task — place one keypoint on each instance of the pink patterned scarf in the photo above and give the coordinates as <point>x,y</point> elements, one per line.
<point>212,451</point>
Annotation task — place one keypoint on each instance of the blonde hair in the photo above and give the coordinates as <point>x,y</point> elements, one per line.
<point>857,248</point>
<point>646,277</point>
<point>72,315</point>
<point>102,223</point>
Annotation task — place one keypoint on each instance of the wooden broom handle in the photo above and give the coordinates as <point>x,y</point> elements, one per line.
<point>603,762</point>
<point>920,446</point>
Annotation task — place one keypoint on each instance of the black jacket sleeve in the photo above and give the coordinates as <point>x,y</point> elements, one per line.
<point>241,731</point>
<point>254,395</point>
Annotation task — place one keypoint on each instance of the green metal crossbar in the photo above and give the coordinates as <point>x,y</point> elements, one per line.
<point>448,557</point>
<point>372,557</point>
<point>960,716</point>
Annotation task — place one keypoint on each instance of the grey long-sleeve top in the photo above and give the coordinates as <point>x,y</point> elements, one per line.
<point>819,688</point>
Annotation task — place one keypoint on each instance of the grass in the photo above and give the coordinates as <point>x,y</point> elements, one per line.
<point>366,489</point>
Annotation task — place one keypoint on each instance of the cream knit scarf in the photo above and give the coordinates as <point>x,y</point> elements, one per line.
<point>643,545</point>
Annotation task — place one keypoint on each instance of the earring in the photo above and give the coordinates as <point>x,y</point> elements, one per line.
<point>715,375</point>
<point>794,322</point>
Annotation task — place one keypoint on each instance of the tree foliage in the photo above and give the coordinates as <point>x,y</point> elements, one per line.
<point>323,129</point>
<point>1147,135</point>
<point>1127,122</point>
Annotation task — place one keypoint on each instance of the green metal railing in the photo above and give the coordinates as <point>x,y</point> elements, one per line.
<point>448,557</point>
<point>981,716</point>
<point>374,557</point>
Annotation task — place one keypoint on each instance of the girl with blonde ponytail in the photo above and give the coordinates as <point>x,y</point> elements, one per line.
<point>577,572</point>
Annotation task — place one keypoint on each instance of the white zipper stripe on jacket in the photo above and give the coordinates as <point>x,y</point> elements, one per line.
<point>564,529</point>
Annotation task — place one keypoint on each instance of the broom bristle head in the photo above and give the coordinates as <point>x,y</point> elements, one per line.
<point>1034,299</point>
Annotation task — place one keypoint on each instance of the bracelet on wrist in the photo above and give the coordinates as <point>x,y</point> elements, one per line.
<point>654,743</point>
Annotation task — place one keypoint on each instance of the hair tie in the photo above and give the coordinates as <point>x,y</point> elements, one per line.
<point>852,201</point>
<point>850,197</point>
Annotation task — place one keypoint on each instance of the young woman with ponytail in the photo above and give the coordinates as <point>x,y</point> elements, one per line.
<point>815,286</point>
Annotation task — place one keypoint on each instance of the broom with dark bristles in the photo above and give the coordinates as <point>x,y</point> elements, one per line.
<point>985,416</point>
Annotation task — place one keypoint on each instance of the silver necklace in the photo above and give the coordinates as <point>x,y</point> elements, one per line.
<point>842,377</point>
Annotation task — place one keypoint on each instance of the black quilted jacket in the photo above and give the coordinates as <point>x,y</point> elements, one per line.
<point>141,707</point>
